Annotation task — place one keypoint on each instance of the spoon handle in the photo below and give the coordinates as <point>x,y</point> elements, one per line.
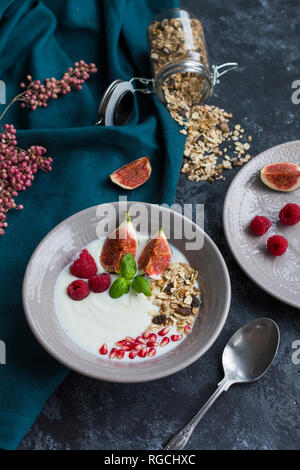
<point>181,439</point>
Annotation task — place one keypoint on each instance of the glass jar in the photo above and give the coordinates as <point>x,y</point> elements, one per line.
<point>181,69</point>
<point>179,57</point>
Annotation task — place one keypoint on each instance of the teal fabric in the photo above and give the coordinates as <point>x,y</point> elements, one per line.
<point>44,39</point>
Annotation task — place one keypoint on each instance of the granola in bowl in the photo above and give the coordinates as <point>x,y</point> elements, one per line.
<point>176,294</point>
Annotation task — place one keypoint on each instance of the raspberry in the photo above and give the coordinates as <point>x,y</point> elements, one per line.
<point>277,245</point>
<point>78,290</point>
<point>260,225</point>
<point>84,266</point>
<point>290,214</point>
<point>99,283</point>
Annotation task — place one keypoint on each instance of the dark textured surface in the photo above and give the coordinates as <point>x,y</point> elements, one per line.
<point>263,36</point>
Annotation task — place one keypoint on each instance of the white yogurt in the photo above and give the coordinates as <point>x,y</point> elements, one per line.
<point>99,318</point>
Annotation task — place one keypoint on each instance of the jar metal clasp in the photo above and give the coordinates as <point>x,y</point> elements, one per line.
<point>147,82</point>
<point>219,70</point>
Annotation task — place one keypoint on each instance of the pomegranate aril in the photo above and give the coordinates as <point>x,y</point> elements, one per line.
<point>137,346</point>
<point>120,354</point>
<point>151,352</point>
<point>164,341</point>
<point>132,354</point>
<point>126,347</point>
<point>112,353</point>
<point>103,349</point>
<point>141,340</point>
<point>143,352</point>
<point>164,331</point>
<point>176,337</point>
<point>152,344</point>
<point>152,337</point>
<point>130,340</point>
<point>187,329</point>
<point>146,334</point>
<point>120,343</point>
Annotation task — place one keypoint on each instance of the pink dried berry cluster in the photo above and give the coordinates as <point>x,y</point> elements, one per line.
<point>142,346</point>
<point>37,93</point>
<point>85,267</point>
<point>277,244</point>
<point>17,170</point>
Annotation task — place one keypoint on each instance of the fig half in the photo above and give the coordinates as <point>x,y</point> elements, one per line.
<point>281,176</point>
<point>156,255</point>
<point>121,241</point>
<point>133,174</point>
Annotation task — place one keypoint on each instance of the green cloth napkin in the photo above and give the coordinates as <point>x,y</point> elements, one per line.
<point>45,38</point>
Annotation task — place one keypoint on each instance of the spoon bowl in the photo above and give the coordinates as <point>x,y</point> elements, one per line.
<point>251,350</point>
<point>246,357</point>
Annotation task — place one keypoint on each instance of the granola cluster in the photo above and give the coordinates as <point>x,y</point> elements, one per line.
<point>177,296</point>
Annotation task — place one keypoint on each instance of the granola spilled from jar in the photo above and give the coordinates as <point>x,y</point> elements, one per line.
<point>177,295</point>
<point>211,146</point>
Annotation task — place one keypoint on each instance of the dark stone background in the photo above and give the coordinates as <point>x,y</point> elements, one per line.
<point>264,37</point>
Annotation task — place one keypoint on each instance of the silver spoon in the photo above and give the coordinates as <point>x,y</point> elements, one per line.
<point>246,357</point>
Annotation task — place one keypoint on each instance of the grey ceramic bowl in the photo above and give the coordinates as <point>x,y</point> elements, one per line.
<point>58,248</point>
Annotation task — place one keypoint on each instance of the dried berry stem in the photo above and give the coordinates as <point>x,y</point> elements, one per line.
<point>17,169</point>
<point>36,94</point>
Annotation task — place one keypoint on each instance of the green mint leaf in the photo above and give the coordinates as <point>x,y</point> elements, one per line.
<point>119,287</point>
<point>141,285</point>
<point>128,266</point>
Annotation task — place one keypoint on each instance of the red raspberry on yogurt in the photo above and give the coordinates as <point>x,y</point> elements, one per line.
<point>78,290</point>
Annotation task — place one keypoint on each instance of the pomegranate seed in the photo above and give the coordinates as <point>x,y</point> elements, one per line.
<point>143,352</point>
<point>103,349</point>
<point>176,337</point>
<point>151,352</point>
<point>152,337</point>
<point>187,329</point>
<point>164,341</point>
<point>146,334</point>
<point>137,346</point>
<point>130,340</point>
<point>132,354</point>
<point>141,340</point>
<point>164,331</point>
<point>126,347</point>
<point>120,354</point>
<point>113,353</point>
<point>152,344</point>
<point>120,343</point>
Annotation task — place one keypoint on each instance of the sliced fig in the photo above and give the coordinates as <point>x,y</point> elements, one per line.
<point>121,241</point>
<point>133,174</point>
<point>156,255</point>
<point>281,176</point>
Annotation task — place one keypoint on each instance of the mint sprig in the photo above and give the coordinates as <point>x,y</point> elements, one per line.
<point>122,284</point>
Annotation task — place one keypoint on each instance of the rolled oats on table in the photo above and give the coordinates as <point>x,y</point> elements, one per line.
<point>177,297</point>
<point>206,128</point>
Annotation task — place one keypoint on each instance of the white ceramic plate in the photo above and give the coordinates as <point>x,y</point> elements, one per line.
<point>247,197</point>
